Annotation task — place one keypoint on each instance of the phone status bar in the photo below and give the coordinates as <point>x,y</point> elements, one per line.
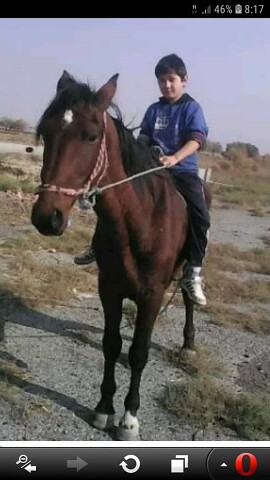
<point>228,10</point>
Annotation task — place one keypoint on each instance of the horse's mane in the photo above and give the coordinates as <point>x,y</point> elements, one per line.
<point>135,156</point>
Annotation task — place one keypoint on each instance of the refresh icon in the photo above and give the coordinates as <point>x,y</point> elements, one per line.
<point>130,469</point>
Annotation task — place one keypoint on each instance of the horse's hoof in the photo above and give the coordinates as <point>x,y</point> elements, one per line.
<point>127,434</point>
<point>187,353</point>
<point>128,428</point>
<point>102,421</point>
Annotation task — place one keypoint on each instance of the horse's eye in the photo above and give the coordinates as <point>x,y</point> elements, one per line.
<point>88,138</point>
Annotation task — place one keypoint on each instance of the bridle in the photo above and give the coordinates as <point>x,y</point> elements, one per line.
<point>95,177</point>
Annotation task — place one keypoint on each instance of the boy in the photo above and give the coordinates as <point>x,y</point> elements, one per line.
<point>176,125</point>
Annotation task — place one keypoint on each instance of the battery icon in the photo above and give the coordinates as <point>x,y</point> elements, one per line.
<point>238,9</point>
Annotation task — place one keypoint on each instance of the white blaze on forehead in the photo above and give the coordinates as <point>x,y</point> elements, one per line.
<point>68,116</point>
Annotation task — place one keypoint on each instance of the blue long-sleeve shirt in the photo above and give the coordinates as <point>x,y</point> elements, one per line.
<point>171,125</point>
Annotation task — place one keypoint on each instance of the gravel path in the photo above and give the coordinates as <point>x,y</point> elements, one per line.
<point>55,397</point>
<point>239,227</point>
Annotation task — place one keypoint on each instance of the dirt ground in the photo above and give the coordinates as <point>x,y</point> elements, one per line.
<point>58,387</point>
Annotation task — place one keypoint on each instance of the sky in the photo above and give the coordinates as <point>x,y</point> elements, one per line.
<point>228,63</point>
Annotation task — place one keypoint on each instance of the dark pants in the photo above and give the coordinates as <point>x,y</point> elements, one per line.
<point>190,186</point>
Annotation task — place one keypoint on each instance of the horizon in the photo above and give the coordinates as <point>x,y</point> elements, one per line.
<point>226,59</point>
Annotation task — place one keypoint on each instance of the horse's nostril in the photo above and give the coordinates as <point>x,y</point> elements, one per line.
<point>57,218</point>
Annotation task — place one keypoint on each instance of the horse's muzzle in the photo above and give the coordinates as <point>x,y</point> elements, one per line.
<point>48,223</point>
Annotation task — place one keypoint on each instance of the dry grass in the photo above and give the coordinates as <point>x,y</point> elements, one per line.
<point>25,407</point>
<point>8,391</point>
<point>34,407</point>
<point>37,276</point>
<point>129,311</point>
<point>227,290</point>
<point>25,138</point>
<point>258,210</point>
<point>11,183</point>
<point>198,400</point>
<point>40,284</point>
<point>255,322</point>
<point>247,190</point>
<point>202,401</point>
<point>16,209</point>
<point>9,368</point>
<point>19,173</point>
<point>48,285</point>
<point>250,179</point>
<point>233,293</point>
<point>226,294</point>
<point>195,364</point>
<point>266,239</point>
<point>73,239</point>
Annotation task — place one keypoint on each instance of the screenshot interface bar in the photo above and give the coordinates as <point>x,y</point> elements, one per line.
<point>148,462</point>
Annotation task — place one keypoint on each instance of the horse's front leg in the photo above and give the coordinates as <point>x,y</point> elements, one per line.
<point>147,312</point>
<point>112,344</point>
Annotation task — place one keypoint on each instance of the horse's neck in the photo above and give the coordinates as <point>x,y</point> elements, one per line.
<point>121,204</point>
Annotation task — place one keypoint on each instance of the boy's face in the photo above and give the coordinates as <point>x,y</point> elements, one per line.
<point>171,86</point>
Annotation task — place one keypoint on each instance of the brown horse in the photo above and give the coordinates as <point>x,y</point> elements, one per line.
<point>141,229</point>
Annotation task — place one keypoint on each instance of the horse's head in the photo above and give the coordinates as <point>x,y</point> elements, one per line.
<point>73,129</point>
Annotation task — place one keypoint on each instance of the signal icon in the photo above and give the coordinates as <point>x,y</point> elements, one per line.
<point>207,11</point>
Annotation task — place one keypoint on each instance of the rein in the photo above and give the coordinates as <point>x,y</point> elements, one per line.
<point>92,194</point>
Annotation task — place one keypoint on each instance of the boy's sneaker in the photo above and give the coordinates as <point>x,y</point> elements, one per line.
<point>191,282</point>
<point>86,257</point>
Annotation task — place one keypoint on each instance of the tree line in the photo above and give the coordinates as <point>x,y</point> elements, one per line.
<point>233,149</point>
<point>11,125</point>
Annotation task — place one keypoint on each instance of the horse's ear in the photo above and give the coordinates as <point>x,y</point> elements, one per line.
<point>64,81</point>
<point>106,93</point>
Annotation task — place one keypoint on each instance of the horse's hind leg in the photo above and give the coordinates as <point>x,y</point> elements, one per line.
<point>112,344</point>
<point>189,331</point>
<point>138,354</point>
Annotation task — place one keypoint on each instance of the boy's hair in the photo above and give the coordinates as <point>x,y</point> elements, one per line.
<point>171,63</point>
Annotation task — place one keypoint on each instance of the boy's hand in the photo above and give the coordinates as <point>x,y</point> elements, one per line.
<point>169,160</point>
